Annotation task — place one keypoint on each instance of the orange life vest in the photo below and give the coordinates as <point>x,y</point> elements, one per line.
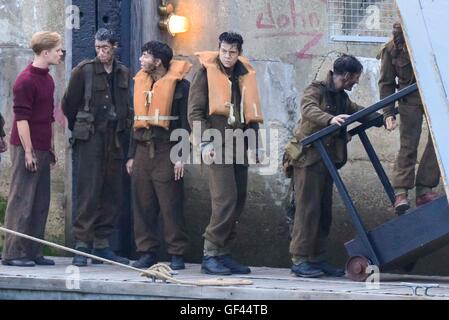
<point>220,89</point>
<point>152,107</point>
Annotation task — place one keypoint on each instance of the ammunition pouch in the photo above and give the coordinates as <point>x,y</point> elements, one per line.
<point>84,126</point>
<point>293,149</point>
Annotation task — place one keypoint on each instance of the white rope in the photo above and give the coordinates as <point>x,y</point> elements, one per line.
<point>159,271</point>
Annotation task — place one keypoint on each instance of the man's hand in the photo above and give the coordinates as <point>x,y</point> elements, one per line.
<point>340,119</point>
<point>390,123</point>
<point>208,153</point>
<point>179,170</point>
<point>3,145</point>
<point>30,161</point>
<point>129,166</point>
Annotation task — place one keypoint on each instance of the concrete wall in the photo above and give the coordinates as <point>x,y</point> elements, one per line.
<point>288,42</point>
<point>18,21</point>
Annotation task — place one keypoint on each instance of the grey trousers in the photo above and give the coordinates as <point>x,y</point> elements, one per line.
<point>28,204</point>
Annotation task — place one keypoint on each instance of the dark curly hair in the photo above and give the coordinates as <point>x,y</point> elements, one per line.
<point>231,38</point>
<point>159,50</point>
<point>347,63</point>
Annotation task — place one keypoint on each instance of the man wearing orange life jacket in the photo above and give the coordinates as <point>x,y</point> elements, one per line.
<point>224,96</point>
<point>160,106</point>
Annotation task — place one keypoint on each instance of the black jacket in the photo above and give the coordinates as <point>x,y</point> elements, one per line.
<point>103,97</point>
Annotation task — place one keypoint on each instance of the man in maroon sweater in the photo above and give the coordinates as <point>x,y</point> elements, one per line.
<point>32,153</point>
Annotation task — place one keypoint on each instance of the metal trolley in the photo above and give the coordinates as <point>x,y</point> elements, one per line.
<point>405,238</point>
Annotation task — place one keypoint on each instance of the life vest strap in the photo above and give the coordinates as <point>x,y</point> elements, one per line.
<point>155,118</point>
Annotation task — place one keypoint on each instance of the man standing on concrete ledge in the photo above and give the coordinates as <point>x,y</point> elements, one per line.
<point>32,153</point>
<point>224,96</point>
<point>395,63</point>
<point>160,107</point>
<point>324,103</point>
<point>96,104</point>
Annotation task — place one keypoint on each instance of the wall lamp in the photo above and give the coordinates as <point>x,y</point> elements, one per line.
<point>171,22</point>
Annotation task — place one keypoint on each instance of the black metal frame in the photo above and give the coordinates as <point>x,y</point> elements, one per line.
<point>317,140</point>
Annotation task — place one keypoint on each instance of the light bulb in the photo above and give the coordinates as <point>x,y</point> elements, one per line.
<point>177,24</point>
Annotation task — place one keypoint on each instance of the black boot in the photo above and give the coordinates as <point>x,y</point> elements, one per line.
<point>42,261</point>
<point>18,263</point>
<point>307,270</point>
<point>328,269</point>
<point>145,261</point>
<point>78,260</point>
<point>177,263</point>
<point>233,265</point>
<point>107,253</point>
<point>211,265</point>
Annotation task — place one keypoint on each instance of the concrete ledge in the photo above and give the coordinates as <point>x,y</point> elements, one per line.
<point>105,282</point>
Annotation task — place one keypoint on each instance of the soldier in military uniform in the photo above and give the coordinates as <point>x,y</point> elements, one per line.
<point>96,104</point>
<point>324,103</point>
<point>224,96</point>
<point>396,64</point>
<point>160,107</point>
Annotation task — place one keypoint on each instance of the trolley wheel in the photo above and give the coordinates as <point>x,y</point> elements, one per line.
<point>356,268</point>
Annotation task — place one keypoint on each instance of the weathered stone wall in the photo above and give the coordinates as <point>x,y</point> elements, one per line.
<point>18,21</point>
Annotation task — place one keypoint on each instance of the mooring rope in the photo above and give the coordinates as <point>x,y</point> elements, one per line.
<point>159,271</point>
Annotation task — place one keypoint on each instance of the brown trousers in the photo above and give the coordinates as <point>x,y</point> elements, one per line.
<point>228,185</point>
<point>313,216</point>
<point>28,204</point>
<point>428,174</point>
<point>154,192</point>
<point>99,186</point>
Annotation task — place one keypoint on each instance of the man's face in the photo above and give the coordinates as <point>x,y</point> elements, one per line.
<point>148,62</point>
<point>54,55</point>
<point>347,81</point>
<point>350,80</point>
<point>229,54</point>
<point>105,51</point>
